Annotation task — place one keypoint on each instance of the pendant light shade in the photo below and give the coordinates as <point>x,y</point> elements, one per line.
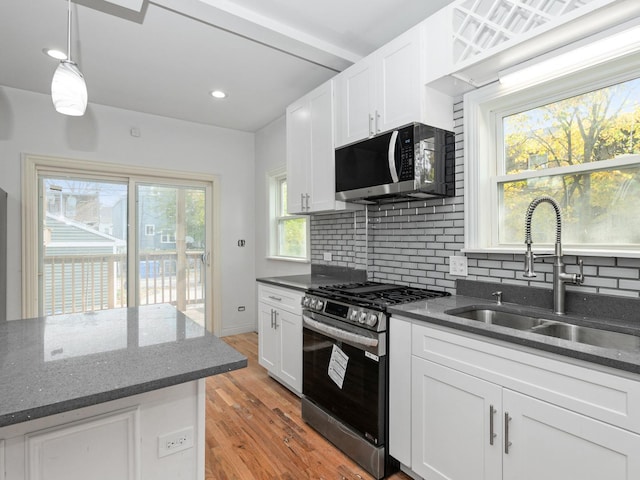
<point>68,89</point>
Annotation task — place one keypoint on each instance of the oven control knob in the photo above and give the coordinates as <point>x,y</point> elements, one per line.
<point>353,316</point>
<point>319,305</point>
<point>363,317</point>
<point>312,304</point>
<point>305,301</point>
<point>372,319</point>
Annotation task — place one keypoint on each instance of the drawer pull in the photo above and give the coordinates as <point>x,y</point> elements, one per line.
<point>277,299</point>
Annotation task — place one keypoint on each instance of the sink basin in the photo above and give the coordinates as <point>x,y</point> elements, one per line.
<point>498,317</point>
<point>501,316</point>
<point>590,336</point>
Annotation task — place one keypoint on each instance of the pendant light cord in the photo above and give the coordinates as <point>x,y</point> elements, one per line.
<point>69,32</point>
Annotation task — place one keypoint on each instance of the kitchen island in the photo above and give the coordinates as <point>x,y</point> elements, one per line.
<point>110,394</point>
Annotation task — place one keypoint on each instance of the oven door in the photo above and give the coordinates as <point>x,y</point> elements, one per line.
<point>342,376</point>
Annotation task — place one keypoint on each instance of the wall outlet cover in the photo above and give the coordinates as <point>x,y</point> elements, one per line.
<point>173,442</point>
<point>458,266</point>
<point>327,256</point>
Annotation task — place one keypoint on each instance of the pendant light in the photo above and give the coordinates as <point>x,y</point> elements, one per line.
<point>68,89</point>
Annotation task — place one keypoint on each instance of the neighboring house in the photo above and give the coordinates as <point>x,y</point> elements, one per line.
<point>82,267</point>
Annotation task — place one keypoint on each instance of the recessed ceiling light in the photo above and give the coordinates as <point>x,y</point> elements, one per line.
<point>53,53</point>
<point>218,94</point>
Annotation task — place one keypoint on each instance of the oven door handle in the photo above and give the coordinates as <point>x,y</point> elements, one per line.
<point>338,333</point>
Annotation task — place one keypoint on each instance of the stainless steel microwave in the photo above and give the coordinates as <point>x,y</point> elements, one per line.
<point>414,161</point>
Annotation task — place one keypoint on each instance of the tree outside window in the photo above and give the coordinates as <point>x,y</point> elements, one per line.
<point>584,151</point>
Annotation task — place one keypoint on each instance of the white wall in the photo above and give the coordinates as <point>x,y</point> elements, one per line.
<point>29,124</point>
<point>270,155</point>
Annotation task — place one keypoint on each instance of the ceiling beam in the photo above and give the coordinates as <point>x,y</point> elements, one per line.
<point>246,23</point>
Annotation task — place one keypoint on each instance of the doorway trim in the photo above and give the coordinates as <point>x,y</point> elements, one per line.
<point>34,165</point>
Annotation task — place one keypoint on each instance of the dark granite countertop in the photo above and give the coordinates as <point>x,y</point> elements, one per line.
<point>433,311</point>
<point>320,275</point>
<point>55,364</point>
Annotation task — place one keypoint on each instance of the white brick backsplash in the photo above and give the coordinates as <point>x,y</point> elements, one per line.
<point>410,242</point>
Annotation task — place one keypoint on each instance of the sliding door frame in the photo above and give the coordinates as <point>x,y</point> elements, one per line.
<point>35,165</point>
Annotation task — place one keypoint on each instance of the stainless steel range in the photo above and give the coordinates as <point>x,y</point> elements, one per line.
<point>345,371</point>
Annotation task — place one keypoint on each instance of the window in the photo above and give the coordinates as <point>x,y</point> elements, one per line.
<point>149,230</point>
<point>289,234</point>
<point>575,139</point>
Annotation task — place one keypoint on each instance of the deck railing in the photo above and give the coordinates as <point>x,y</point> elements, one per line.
<point>80,283</point>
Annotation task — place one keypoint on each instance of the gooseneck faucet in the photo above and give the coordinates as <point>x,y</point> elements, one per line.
<point>560,277</point>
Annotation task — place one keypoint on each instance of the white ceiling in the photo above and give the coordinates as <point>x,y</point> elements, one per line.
<point>167,57</point>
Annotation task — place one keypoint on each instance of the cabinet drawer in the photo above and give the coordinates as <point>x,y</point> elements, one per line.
<point>285,298</point>
<point>596,392</point>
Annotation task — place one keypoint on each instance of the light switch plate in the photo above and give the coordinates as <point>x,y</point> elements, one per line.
<point>458,266</point>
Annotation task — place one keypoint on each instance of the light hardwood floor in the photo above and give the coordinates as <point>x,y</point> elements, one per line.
<point>254,429</point>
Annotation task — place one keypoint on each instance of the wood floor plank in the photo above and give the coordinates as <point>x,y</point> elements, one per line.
<point>254,429</point>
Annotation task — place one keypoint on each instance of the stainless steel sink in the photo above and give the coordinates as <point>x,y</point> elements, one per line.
<point>498,317</point>
<point>549,327</point>
<point>590,336</point>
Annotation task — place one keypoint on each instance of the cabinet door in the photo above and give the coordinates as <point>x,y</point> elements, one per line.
<point>552,443</point>
<point>289,328</point>
<point>267,339</point>
<point>398,71</point>
<point>298,155</point>
<point>321,182</point>
<point>354,99</point>
<point>452,423</point>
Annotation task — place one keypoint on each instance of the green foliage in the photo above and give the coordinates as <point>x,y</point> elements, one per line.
<point>592,127</point>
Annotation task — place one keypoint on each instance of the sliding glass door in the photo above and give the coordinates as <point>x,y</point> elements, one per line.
<point>172,254</point>
<point>87,227</point>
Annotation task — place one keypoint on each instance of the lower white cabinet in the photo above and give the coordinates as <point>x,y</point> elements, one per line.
<point>280,334</point>
<point>469,421</point>
<point>451,438</point>
<point>116,440</point>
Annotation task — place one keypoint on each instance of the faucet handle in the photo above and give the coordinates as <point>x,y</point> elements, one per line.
<point>579,277</point>
<point>498,296</point>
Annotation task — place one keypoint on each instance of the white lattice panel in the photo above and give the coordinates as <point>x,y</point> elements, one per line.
<point>480,25</point>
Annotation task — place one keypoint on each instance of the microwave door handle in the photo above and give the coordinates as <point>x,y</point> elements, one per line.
<point>392,156</point>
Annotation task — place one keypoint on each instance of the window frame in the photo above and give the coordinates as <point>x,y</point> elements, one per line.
<point>483,111</point>
<point>274,181</point>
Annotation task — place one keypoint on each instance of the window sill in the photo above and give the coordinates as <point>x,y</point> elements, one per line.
<point>582,252</point>
<point>289,259</point>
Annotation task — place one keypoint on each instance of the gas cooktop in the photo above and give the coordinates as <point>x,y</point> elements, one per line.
<point>375,294</point>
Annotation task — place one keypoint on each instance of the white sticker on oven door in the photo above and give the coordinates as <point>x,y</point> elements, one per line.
<point>338,366</point>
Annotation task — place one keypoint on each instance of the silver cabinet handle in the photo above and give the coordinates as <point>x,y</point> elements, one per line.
<point>492,434</point>
<point>507,443</point>
<point>308,196</point>
<point>377,118</point>
<point>272,318</point>
<point>275,319</point>
<point>278,299</point>
<point>302,201</point>
<point>371,132</point>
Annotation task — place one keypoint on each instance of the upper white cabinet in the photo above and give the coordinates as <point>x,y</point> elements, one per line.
<point>310,153</point>
<point>386,90</point>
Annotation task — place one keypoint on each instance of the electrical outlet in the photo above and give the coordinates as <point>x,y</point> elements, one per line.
<point>458,266</point>
<point>327,256</point>
<point>175,442</point>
